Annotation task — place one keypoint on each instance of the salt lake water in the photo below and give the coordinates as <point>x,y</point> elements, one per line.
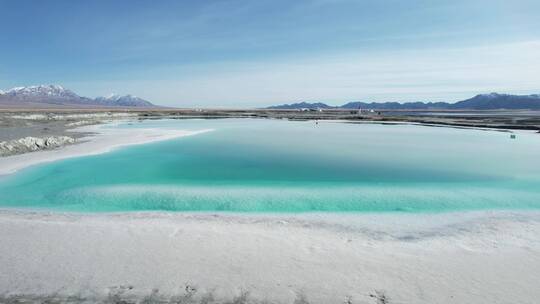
<point>259,165</point>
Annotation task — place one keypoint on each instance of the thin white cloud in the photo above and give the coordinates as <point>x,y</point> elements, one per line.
<point>404,75</point>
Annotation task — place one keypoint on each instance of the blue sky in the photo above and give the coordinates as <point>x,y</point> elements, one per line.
<point>256,53</point>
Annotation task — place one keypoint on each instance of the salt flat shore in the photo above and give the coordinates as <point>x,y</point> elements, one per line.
<point>99,139</point>
<point>474,257</point>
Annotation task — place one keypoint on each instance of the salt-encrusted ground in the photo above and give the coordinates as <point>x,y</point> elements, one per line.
<point>476,257</point>
<point>100,139</point>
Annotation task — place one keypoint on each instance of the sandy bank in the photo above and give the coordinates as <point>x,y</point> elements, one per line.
<point>475,257</point>
<point>103,139</point>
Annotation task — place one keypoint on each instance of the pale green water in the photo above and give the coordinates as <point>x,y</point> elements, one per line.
<point>280,166</point>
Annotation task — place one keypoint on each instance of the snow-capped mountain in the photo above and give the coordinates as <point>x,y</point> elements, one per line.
<point>492,95</point>
<point>126,101</point>
<point>59,96</point>
<point>41,93</point>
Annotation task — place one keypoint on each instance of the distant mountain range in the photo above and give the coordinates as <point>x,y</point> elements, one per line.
<point>492,101</point>
<point>57,96</point>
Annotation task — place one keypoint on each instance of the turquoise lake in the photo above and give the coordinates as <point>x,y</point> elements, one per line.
<point>258,165</point>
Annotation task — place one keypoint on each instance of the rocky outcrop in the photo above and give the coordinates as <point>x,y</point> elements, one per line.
<point>30,144</point>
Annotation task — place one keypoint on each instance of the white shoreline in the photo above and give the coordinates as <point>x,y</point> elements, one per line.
<point>104,140</point>
<point>471,257</point>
